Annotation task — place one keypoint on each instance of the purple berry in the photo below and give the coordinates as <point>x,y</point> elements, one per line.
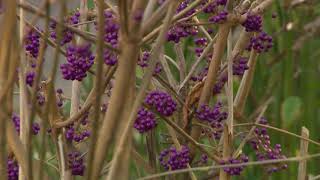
<point>79,61</point>
<point>76,164</point>
<point>145,120</point>
<point>32,43</point>
<point>173,159</point>
<point>12,169</point>
<point>261,43</point>
<point>161,102</point>
<point>30,78</point>
<point>253,23</point>
<point>219,18</point>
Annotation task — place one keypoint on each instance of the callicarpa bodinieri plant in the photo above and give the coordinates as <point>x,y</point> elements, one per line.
<point>144,89</point>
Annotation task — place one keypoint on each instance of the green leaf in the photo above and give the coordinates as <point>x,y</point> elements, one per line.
<point>90,4</point>
<point>291,110</point>
<point>67,107</point>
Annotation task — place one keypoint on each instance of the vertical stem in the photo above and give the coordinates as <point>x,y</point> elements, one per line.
<point>182,61</point>
<point>7,70</point>
<point>230,85</point>
<point>302,171</point>
<point>151,146</point>
<point>166,69</point>
<point>218,51</point>
<point>246,83</point>
<point>50,107</point>
<point>149,9</point>
<point>97,90</point>
<point>75,97</point>
<point>120,148</point>
<point>43,132</point>
<point>228,128</point>
<point>24,117</point>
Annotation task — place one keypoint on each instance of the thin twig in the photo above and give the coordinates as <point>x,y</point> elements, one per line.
<point>279,130</point>
<point>207,168</point>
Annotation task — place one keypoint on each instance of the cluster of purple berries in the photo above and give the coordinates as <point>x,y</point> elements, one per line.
<point>219,18</point>
<point>79,61</point>
<point>200,42</point>
<point>179,31</point>
<point>67,34</point>
<point>40,99</point>
<point>261,43</point>
<point>71,134</point>
<point>264,150</point>
<point>75,163</point>
<point>173,159</point>
<point>30,78</point>
<point>205,113</point>
<point>204,159</point>
<point>145,120</point>
<point>217,88</point>
<point>161,102</point>
<point>212,7</point>
<point>111,28</point>
<point>240,66</point>
<point>143,62</point>
<point>200,75</point>
<point>233,171</point>
<point>60,99</point>
<point>12,169</point>
<point>253,23</point>
<point>183,5</point>
<point>16,122</point>
<point>214,117</point>
<point>32,43</point>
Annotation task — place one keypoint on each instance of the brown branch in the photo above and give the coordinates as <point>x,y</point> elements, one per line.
<point>32,9</point>
<point>218,51</point>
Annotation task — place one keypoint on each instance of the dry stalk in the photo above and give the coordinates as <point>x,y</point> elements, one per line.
<point>119,98</point>
<point>246,83</point>
<point>181,61</point>
<point>218,51</point>
<point>38,73</point>
<point>97,90</point>
<point>50,107</point>
<point>120,148</point>
<point>23,100</point>
<point>8,63</point>
<point>302,170</point>
<point>167,70</point>
<point>150,20</point>
<point>228,127</point>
